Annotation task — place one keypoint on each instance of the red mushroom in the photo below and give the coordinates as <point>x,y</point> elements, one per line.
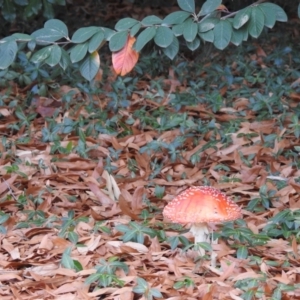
<point>200,205</point>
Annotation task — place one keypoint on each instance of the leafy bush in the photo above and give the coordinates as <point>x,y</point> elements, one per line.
<point>51,46</point>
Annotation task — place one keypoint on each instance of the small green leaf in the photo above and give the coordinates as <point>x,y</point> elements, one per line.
<point>54,57</point>
<point>270,16</point>
<point>144,37</point>
<point>64,60</point>
<point>241,18</point>
<point>135,29</point>
<point>48,11</point>
<point>92,278</point>
<point>242,252</point>
<point>190,30</point>
<point>187,5</point>
<point>178,285</point>
<point>204,245</point>
<point>237,36</point>
<point>125,24</point>
<point>156,293</point>
<point>279,12</point>
<point>151,20</point>
<point>163,37</point>
<point>83,34</point>
<point>41,55</point>
<point>22,37</point>
<point>4,218</point>
<point>176,17</point>
<point>90,66</point>
<point>8,10</point>
<point>222,34</point>
<point>256,22</point>
<point>178,29</point>
<point>66,259</point>
<point>108,33</point>
<point>73,237</point>
<point>194,44</point>
<point>31,45</point>
<point>96,41</point>
<point>8,51</point>
<point>207,36</point>
<point>209,6</point>
<point>77,265</point>
<point>58,26</point>
<point>299,10</point>
<point>118,40</point>
<point>78,52</point>
<point>207,24</point>
<point>46,36</point>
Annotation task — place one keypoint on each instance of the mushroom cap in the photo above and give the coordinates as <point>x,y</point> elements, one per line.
<point>201,204</point>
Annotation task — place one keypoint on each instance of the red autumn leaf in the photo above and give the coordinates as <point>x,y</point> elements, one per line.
<point>125,59</point>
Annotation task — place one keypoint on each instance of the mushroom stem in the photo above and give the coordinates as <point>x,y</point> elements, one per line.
<point>201,233</point>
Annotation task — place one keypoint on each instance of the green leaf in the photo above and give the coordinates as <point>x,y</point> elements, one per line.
<point>83,34</point>
<point>242,252</point>
<point>178,29</point>
<point>118,40</point>
<point>207,24</point>
<point>96,41</point>
<point>135,29</point>
<point>237,36</point>
<point>77,265</point>
<point>187,5</point>
<point>8,51</point>
<point>299,10</point>
<point>163,37</point>
<point>207,36</point>
<point>151,20</point>
<point>270,16</point>
<point>33,8</point>
<point>172,50</point>
<point>256,22</point>
<point>108,33</point>
<point>58,26</point>
<point>64,60</point>
<point>279,12</point>
<point>194,44</point>
<point>241,18</point>
<point>8,10</point>
<point>222,34</point>
<point>209,6</point>
<point>46,36</point>
<point>125,24</point>
<point>21,2</point>
<point>176,17</point>
<point>142,283</point>
<point>73,237</point>
<point>78,52</point>
<point>144,37</point>
<point>66,259</point>
<point>31,45</point>
<point>22,37</point>
<point>156,293</point>
<point>92,278</point>
<point>41,55</point>
<point>48,11</point>
<point>4,218</point>
<point>190,30</point>
<point>54,57</point>
<point>90,66</point>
